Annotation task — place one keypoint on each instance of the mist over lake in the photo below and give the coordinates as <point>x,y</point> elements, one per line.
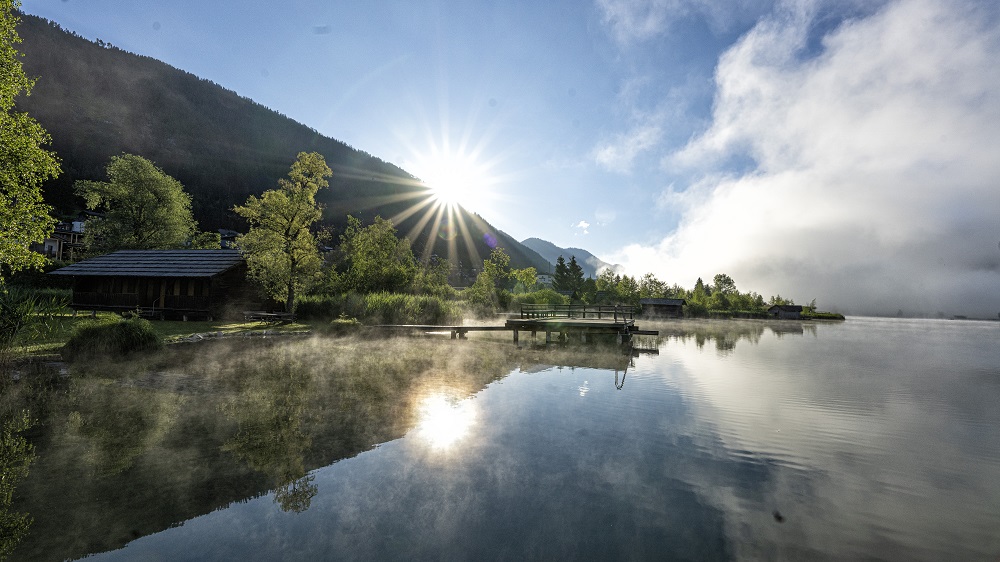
<point>872,438</point>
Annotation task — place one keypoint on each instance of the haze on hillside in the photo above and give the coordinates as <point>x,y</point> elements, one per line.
<point>842,151</point>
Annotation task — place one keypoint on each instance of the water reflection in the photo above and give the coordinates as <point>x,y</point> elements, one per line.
<point>267,402</point>
<point>445,422</point>
<point>726,334</point>
<point>16,456</point>
<point>127,449</point>
<point>870,441</point>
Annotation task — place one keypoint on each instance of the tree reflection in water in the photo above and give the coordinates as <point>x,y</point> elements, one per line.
<point>727,333</point>
<point>16,456</point>
<point>268,407</point>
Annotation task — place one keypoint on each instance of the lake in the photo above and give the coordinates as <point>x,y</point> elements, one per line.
<point>867,439</point>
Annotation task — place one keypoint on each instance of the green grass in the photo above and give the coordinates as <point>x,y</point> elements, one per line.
<point>170,330</point>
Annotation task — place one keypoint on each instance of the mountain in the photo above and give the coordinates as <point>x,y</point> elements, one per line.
<point>591,264</point>
<point>98,101</point>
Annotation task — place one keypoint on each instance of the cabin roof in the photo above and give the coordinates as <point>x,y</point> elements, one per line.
<point>786,308</point>
<point>662,302</point>
<point>156,263</point>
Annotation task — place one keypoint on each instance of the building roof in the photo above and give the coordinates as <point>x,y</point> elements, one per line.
<point>786,308</point>
<point>662,302</point>
<point>156,263</point>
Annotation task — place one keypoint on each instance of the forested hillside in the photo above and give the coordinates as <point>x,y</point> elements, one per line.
<point>98,101</point>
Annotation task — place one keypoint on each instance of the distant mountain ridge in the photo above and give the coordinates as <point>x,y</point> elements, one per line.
<point>591,264</point>
<point>98,101</point>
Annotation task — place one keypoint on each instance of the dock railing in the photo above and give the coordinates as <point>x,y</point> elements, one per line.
<point>619,313</point>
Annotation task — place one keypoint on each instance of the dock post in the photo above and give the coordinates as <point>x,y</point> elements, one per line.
<point>619,338</point>
<point>515,336</point>
<point>583,337</point>
<point>548,337</point>
<point>454,333</point>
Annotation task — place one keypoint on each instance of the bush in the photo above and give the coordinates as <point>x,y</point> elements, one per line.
<point>25,313</point>
<point>542,296</point>
<point>115,337</point>
<point>379,308</point>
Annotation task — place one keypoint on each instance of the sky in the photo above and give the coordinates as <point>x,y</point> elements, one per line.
<point>838,150</point>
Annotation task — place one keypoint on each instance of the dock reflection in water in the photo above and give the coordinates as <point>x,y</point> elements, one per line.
<point>738,440</point>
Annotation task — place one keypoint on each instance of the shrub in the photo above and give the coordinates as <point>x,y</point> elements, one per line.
<point>26,313</point>
<point>115,337</point>
<point>379,308</point>
<point>542,296</point>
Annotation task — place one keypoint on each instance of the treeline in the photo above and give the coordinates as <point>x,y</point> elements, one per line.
<point>720,298</point>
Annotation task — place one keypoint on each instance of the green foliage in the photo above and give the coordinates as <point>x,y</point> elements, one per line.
<point>26,314</point>
<point>24,164</point>
<point>144,208</point>
<point>568,276</point>
<point>542,296</point>
<point>374,260</point>
<point>280,249</point>
<point>111,337</point>
<point>432,279</point>
<point>380,308</point>
<point>16,456</point>
<point>778,300</point>
<point>526,279</point>
<point>206,241</point>
<point>488,294</point>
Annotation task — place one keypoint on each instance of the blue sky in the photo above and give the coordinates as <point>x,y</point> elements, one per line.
<point>839,150</point>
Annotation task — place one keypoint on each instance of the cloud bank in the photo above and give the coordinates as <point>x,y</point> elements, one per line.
<point>875,183</point>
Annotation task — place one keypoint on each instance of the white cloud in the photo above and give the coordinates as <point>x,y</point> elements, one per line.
<point>583,224</point>
<point>876,177</point>
<point>619,154</point>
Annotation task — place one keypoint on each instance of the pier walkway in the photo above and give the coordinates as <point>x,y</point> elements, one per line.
<point>563,322</point>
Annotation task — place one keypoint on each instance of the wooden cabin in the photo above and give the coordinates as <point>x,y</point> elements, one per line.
<point>785,312</point>
<point>160,283</point>
<point>662,308</point>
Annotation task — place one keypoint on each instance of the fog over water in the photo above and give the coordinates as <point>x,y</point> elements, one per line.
<point>870,179</point>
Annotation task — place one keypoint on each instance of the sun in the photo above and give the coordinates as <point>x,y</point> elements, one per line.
<point>454,179</point>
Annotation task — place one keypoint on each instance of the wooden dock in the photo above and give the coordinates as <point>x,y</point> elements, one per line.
<point>577,321</point>
<point>562,323</point>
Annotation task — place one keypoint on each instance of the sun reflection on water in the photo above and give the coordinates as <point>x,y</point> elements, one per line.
<point>443,421</point>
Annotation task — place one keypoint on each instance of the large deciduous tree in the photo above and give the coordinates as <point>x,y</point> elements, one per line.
<point>375,259</point>
<point>280,247</point>
<point>143,208</point>
<point>24,164</point>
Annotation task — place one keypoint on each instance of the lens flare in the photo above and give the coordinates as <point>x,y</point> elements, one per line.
<point>490,240</point>
<point>448,230</point>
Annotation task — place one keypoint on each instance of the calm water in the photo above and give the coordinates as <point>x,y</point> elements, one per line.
<point>870,439</point>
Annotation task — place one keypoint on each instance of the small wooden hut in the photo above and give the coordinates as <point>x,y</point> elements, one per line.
<point>662,308</point>
<point>785,312</point>
<point>160,283</point>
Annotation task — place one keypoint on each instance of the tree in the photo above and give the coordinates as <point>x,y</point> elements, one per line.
<point>488,291</point>
<point>24,164</point>
<point>280,249</point>
<point>651,287</point>
<point>574,274</point>
<point>526,277</point>
<point>375,259</point>
<point>724,284</point>
<point>143,207</point>
<point>560,279</point>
